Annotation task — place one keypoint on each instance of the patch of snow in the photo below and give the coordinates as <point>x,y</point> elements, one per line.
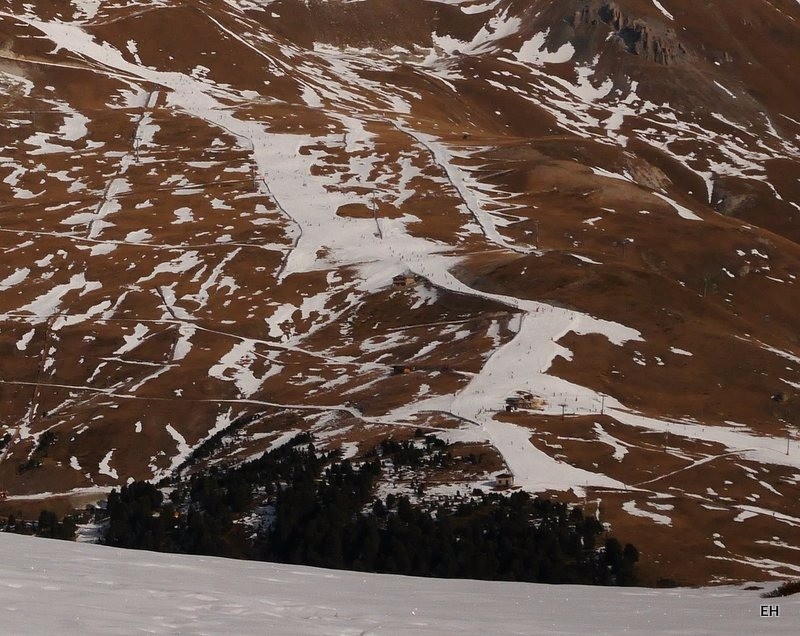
<point>661,8</point>
<point>25,340</point>
<point>683,212</point>
<point>631,508</point>
<point>105,469</point>
<point>534,52</point>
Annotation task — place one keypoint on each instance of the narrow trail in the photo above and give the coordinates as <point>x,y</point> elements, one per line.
<point>468,199</point>
<point>298,236</point>
<point>695,464</point>
<point>132,156</point>
<point>171,247</point>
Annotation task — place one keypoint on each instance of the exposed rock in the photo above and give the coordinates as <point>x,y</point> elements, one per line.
<point>732,197</point>
<point>646,38</point>
<point>648,175</point>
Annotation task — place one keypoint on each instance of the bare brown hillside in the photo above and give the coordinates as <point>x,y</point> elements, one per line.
<point>203,206</point>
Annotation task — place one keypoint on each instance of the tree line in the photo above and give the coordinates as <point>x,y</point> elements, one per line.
<point>298,505</point>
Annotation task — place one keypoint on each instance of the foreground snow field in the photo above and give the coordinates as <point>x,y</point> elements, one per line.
<point>89,589</point>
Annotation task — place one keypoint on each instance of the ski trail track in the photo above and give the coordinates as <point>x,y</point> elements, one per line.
<point>325,241</point>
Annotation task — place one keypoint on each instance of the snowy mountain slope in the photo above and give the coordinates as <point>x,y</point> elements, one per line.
<point>203,206</point>
<point>95,590</point>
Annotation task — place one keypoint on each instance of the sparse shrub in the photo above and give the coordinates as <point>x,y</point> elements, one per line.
<point>29,464</point>
<point>47,439</point>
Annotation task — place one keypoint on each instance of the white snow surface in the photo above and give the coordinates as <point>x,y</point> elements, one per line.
<point>661,8</point>
<point>683,212</point>
<point>78,588</point>
<point>105,468</point>
<point>535,52</point>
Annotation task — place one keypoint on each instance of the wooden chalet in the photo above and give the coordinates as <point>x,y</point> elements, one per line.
<point>505,480</point>
<point>523,400</point>
<point>404,280</point>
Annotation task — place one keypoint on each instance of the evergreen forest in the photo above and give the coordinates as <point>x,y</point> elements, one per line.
<point>298,505</point>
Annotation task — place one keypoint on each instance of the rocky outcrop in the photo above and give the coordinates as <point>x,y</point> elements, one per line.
<point>733,197</point>
<point>649,39</point>
<point>647,175</point>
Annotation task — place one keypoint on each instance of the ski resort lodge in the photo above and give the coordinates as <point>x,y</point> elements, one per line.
<point>404,280</point>
<point>505,480</point>
<point>523,400</point>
